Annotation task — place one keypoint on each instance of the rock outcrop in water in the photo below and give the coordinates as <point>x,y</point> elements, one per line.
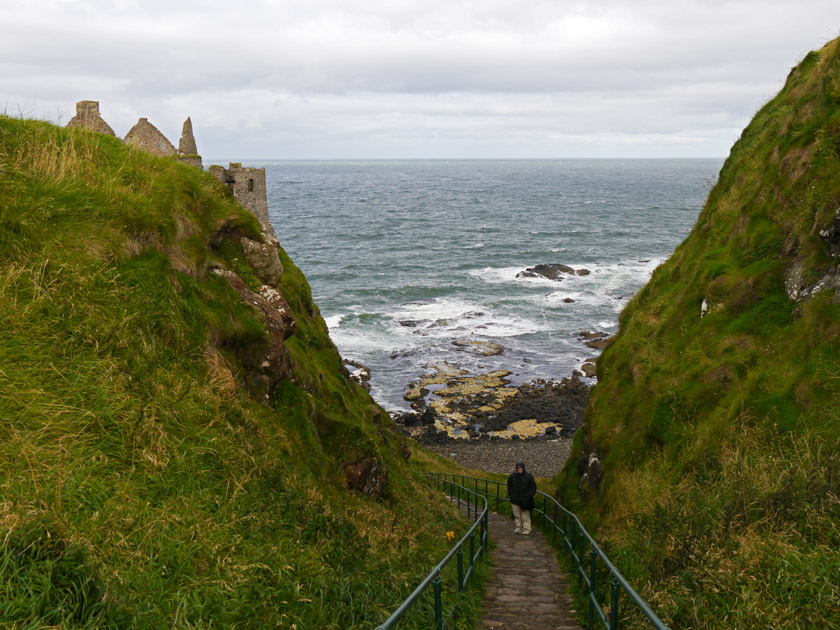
<point>553,271</point>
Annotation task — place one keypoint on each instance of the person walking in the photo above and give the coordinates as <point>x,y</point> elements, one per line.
<point>521,490</point>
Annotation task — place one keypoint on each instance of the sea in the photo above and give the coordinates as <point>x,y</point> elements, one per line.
<point>412,260</point>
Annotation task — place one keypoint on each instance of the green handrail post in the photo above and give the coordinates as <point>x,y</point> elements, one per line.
<point>461,584</point>
<point>575,538</point>
<point>614,604</point>
<point>593,568</point>
<point>438,602</point>
<point>580,560</point>
<point>543,511</point>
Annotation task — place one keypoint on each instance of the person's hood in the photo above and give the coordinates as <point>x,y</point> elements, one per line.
<point>520,465</point>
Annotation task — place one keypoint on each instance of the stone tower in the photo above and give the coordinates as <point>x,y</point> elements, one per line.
<point>87,117</point>
<point>144,135</point>
<point>187,150</point>
<point>248,188</point>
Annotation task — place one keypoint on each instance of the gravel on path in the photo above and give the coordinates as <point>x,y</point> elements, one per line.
<point>544,458</point>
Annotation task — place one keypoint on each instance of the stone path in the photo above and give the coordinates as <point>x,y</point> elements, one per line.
<point>527,589</point>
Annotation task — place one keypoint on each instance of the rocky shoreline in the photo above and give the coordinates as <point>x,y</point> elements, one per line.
<point>480,422</point>
<point>451,404</point>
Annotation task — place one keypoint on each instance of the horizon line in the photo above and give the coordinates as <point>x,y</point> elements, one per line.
<point>455,159</point>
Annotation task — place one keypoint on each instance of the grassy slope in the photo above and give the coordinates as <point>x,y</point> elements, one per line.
<point>140,485</point>
<point>719,435</point>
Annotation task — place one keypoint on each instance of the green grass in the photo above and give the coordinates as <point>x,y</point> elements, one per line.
<point>719,435</point>
<point>143,481</point>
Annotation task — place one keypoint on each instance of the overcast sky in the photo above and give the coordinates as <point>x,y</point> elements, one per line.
<point>413,78</point>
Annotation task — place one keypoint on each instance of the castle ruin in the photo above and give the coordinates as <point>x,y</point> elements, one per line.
<point>248,187</point>
<point>247,184</point>
<point>88,117</point>
<point>144,135</point>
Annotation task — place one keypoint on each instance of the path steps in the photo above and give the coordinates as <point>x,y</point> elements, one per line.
<point>527,589</point>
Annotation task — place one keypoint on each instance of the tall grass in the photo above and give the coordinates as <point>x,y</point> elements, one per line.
<point>141,485</point>
<point>719,434</point>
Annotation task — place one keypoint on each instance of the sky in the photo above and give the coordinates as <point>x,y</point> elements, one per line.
<point>413,79</point>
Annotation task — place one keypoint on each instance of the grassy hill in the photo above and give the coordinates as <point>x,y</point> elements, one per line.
<point>153,471</point>
<point>717,412</point>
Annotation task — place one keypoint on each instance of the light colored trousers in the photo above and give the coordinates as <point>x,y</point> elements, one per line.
<point>522,519</point>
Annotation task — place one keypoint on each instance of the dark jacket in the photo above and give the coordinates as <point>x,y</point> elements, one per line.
<point>521,489</point>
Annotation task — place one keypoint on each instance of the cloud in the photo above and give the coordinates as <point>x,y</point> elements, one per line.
<point>348,78</point>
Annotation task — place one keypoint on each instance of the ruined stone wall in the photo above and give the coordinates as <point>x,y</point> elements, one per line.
<point>144,135</point>
<point>88,117</point>
<point>248,187</point>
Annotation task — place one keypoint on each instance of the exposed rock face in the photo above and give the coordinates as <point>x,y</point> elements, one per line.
<point>278,307</point>
<point>596,340</point>
<point>591,472</point>
<point>266,367</point>
<point>831,236</point>
<point>87,117</point>
<point>144,135</point>
<point>797,285</point>
<point>361,375</point>
<point>589,368</point>
<point>367,477</point>
<point>263,259</point>
<point>798,289</point>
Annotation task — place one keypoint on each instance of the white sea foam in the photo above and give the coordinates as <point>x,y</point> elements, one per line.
<point>359,342</point>
<point>557,300</point>
<point>443,317</point>
<point>333,322</point>
<point>617,277</point>
<point>496,275</point>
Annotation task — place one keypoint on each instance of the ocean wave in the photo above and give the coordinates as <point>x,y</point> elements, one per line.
<point>496,275</point>
<point>440,318</point>
<point>333,322</point>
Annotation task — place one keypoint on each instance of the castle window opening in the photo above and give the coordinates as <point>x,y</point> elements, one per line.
<point>250,185</point>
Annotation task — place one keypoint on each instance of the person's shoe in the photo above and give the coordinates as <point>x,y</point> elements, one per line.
<point>516,532</point>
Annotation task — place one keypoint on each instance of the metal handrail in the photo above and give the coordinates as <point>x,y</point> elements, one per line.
<point>575,537</point>
<point>433,578</point>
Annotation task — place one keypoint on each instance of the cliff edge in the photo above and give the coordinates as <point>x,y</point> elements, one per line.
<point>709,463</point>
<point>180,445</point>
